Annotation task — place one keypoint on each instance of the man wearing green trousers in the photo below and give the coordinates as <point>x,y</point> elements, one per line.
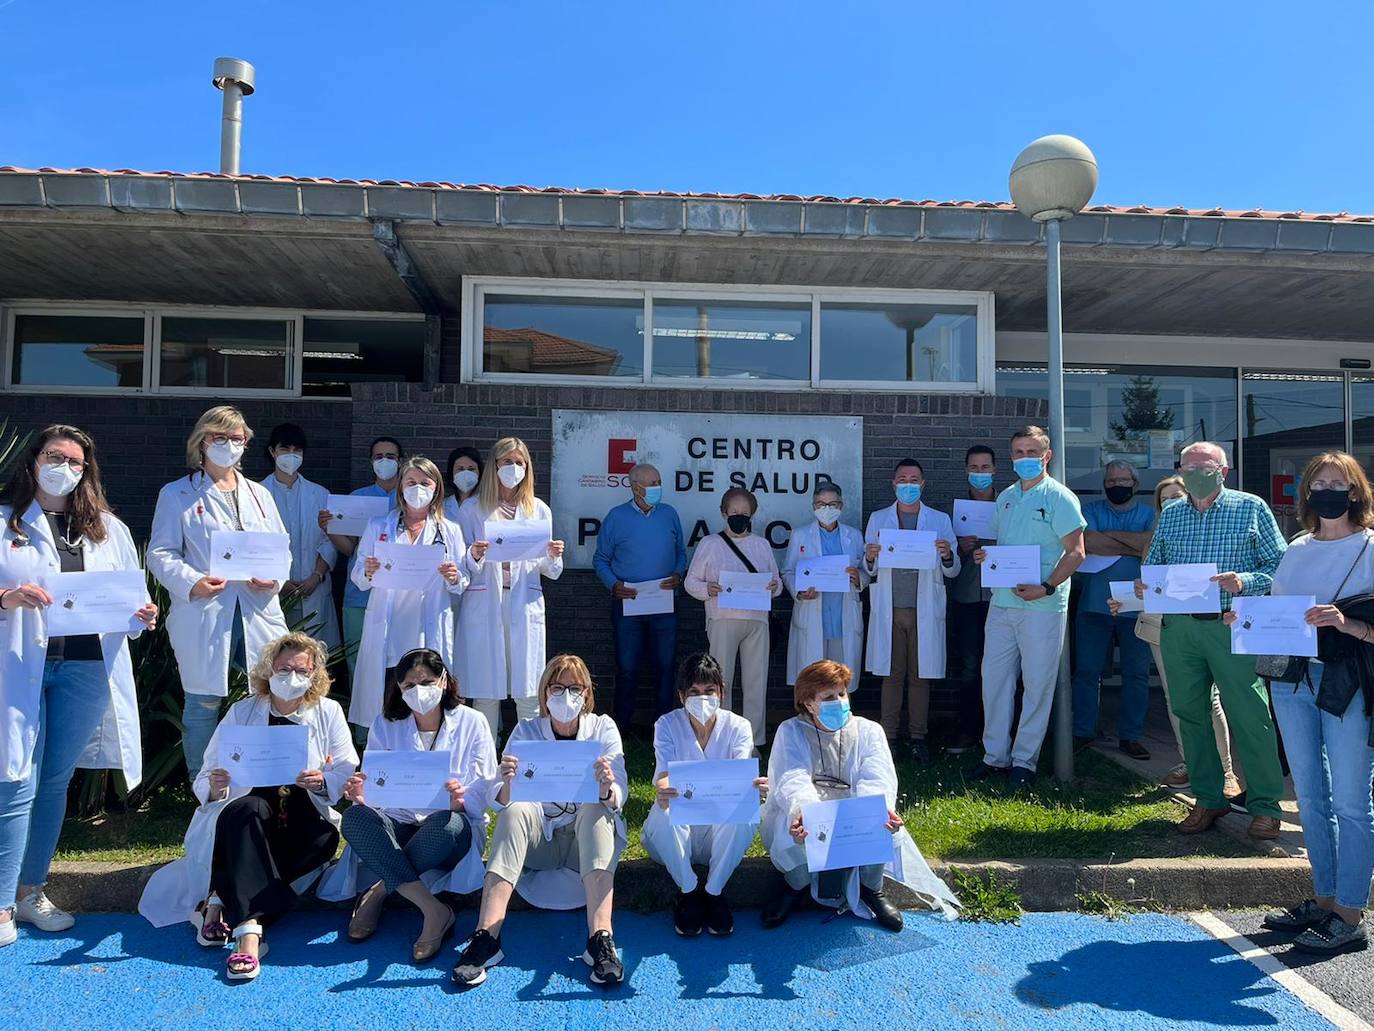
<point>1236,531</point>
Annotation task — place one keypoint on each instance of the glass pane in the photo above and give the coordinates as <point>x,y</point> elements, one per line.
<point>1139,413</point>
<point>239,353</point>
<point>903,343</point>
<point>563,336</point>
<point>340,352</point>
<point>78,351</point>
<point>1289,417</point>
<point>1362,420</point>
<point>745,340</point>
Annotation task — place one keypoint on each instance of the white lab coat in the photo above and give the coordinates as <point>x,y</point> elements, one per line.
<point>868,770</point>
<point>930,598</point>
<point>562,888</point>
<point>436,629</point>
<point>318,612</point>
<point>466,736</point>
<point>201,629</point>
<point>482,623</point>
<point>24,647</point>
<point>806,636</point>
<point>174,891</point>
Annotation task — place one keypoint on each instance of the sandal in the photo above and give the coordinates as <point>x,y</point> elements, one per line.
<point>212,934</point>
<point>241,966</point>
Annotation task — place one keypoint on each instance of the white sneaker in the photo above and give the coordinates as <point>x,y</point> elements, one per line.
<point>37,909</point>
<point>8,932</point>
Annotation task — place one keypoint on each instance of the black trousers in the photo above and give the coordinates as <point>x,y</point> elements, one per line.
<point>263,842</point>
<point>968,620</point>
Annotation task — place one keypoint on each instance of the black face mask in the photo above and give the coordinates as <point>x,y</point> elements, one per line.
<point>737,523</point>
<point>1329,504</point>
<point>1119,495</point>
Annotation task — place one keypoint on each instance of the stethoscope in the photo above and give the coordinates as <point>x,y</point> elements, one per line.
<point>200,508</point>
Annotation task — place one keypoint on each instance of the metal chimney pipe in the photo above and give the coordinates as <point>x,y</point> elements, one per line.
<point>235,78</point>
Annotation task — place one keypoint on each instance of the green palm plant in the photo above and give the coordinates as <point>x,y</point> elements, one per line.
<point>12,444</point>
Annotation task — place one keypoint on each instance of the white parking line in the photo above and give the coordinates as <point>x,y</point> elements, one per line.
<point>1311,996</point>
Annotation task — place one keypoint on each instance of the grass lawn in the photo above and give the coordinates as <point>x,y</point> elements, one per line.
<point>1106,814</point>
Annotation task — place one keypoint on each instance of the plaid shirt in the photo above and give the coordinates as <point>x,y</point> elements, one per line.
<point>1237,532</point>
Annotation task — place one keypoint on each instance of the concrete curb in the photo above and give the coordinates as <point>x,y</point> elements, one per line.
<point>1045,885</point>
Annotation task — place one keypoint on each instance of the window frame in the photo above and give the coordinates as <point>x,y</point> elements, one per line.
<point>476,289</point>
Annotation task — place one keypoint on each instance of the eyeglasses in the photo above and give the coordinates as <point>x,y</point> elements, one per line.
<point>220,438</point>
<point>58,458</point>
<point>576,690</point>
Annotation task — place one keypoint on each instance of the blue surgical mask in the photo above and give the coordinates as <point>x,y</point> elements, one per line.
<point>908,493</point>
<point>1028,468</point>
<point>833,714</point>
<point>980,481</point>
<point>653,495</point>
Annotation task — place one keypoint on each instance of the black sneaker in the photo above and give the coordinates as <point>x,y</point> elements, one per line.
<point>481,952</point>
<point>920,752</point>
<point>719,920</point>
<point>1020,778</point>
<point>687,914</point>
<point>602,957</point>
<point>1296,918</point>
<point>983,771</point>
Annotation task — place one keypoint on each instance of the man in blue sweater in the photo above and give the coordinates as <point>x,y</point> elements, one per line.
<point>639,542</point>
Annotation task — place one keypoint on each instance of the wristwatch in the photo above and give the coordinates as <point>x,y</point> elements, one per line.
<point>1049,587</point>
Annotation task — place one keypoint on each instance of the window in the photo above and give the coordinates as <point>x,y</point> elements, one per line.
<point>77,351</point>
<point>1289,417</point>
<point>757,336</point>
<point>248,354</point>
<point>337,353</point>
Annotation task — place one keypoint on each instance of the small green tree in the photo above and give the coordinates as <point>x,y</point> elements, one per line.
<point>1141,410</point>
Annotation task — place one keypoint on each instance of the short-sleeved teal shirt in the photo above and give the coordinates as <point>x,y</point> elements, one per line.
<point>1043,515</point>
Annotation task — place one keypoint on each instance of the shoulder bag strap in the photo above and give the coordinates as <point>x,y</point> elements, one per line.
<point>739,554</point>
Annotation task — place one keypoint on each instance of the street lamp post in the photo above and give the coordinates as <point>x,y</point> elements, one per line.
<point>1052,180</point>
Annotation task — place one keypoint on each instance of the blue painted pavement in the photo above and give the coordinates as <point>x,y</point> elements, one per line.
<point>114,972</point>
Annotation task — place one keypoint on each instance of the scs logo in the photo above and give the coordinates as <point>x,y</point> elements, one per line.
<point>620,459</point>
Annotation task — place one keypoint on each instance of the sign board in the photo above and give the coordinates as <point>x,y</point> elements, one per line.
<point>780,458</point>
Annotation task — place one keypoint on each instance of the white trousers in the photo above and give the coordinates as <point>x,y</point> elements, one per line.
<point>747,639</point>
<point>525,708</point>
<point>1025,642</point>
<point>720,847</point>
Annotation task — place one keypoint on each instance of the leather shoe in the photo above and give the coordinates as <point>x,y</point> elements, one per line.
<point>425,949</point>
<point>1200,819</point>
<point>983,771</point>
<point>887,915</point>
<point>1134,749</point>
<point>1264,828</point>
<point>367,913</point>
<point>784,904</point>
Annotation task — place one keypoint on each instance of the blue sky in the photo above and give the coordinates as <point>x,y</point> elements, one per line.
<point>1193,103</point>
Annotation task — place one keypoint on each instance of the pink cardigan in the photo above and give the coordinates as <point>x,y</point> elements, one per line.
<point>713,555</point>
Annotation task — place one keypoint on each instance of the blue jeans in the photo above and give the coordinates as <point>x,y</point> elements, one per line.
<point>200,713</point>
<point>71,707</point>
<point>1332,766</point>
<point>1094,633</point>
<point>634,636</point>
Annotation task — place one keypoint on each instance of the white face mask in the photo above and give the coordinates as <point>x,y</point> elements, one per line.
<point>511,475</point>
<point>58,480</point>
<point>385,468</point>
<point>225,455</point>
<point>417,495</point>
<point>827,515</point>
<point>702,707</point>
<point>422,698</point>
<point>465,480</point>
<point>288,462</point>
<point>290,686</point>
<point>565,707</point>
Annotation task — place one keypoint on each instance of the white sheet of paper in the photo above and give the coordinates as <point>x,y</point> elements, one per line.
<point>1182,588</point>
<point>512,540</point>
<point>846,832</point>
<point>907,549</point>
<point>350,513</point>
<point>555,771</point>
<point>974,518</point>
<point>714,791</point>
<point>1011,565</point>
<point>650,599</point>
<point>1124,592</point>
<point>259,756</point>
<point>407,567</point>
<point>250,555</point>
<point>99,602</point>
<point>829,574</point>
<point>407,779</point>
<point>744,591</point>
<point>1273,625</point>
<point>1097,563</point>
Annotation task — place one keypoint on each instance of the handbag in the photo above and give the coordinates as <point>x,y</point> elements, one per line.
<point>1292,669</point>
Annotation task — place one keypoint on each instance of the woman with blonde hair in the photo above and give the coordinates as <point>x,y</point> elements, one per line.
<point>212,620</point>
<point>251,851</point>
<point>501,621</point>
<point>421,615</point>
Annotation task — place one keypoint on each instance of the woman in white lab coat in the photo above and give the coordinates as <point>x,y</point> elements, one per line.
<point>825,753</point>
<point>464,476</point>
<point>808,639</point>
<point>416,853</point>
<point>68,701</point>
<point>501,621</point>
<point>398,620</point>
<point>698,731</point>
<point>308,594</point>
<point>211,617</point>
<point>558,855</point>
<point>251,851</point>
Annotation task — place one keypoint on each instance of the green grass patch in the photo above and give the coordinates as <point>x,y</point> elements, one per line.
<point>986,899</point>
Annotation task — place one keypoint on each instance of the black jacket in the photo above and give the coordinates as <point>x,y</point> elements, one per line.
<point>1348,662</point>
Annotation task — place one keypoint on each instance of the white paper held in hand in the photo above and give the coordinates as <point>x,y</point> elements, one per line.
<point>747,591</point>
<point>828,574</point>
<point>650,599</point>
<point>847,832</point>
<point>907,549</point>
<point>515,540</point>
<point>240,555</point>
<point>407,779</point>
<point>1010,565</point>
<point>713,791</point>
<point>1124,592</point>
<point>1273,625</point>
<point>1186,588</point>
<point>259,756</point>
<point>555,771</point>
<point>407,567</point>
<point>974,518</point>
<point>98,602</point>
<point>349,514</point>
